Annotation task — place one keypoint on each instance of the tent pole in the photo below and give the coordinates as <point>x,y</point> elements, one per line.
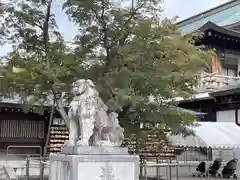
<point>234,154</point>
<point>187,155</point>
<point>207,164</point>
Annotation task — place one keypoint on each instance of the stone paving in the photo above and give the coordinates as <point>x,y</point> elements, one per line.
<point>185,178</point>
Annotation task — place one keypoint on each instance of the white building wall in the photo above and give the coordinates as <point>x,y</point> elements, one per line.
<point>226,116</point>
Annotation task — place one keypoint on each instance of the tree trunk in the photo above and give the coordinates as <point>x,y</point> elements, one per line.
<point>47,139</point>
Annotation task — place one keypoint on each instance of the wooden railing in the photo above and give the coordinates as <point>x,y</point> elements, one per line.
<point>21,129</point>
<point>214,81</point>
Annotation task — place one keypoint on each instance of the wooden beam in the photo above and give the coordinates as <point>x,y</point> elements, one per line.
<point>216,65</point>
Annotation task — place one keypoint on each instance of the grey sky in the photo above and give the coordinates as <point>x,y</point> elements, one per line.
<point>188,8</point>
<point>181,8</point>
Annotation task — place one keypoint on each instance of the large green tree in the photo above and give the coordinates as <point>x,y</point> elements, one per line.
<point>138,60</point>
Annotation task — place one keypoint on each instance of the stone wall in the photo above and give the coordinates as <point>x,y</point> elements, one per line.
<point>3,174</point>
<point>7,173</point>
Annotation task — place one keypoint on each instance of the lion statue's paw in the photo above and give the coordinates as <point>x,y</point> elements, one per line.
<point>82,143</point>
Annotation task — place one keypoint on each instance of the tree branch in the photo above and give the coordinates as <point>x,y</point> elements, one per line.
<point>62,111</point>
<point>34,47</point>
<point>46,41</point>
<point>127,32</point>
<point>46,26</point>
<point>104,31</point>
<point>39,26</point>
<point>111,54</point>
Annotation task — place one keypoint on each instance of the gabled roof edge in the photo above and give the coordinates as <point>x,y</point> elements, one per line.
<point>208,12</point>
<point>211,26</point>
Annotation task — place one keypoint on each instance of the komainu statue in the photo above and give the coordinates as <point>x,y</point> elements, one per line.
<point>90,125</point>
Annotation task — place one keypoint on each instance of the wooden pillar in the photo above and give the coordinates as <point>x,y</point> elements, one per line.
<point>216,65</point>
<point>238,67</point>
<point>236,115</point>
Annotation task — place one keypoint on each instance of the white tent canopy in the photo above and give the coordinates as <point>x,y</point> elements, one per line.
<point>210,134</point>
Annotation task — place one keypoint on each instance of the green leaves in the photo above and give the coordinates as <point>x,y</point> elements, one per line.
<point>138,62</point>
<point>139,57</point>
<point>42,66</point>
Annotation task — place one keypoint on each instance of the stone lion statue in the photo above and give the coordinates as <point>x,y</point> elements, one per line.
<point>116,131</point>
<point>110,135</point>
<point>90,125</point>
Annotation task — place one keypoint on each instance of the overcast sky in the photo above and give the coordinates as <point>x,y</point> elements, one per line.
<point>188,8</point>
<point>181,8</point>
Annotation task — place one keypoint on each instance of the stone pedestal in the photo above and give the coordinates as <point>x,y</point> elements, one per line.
<point>92,163</point>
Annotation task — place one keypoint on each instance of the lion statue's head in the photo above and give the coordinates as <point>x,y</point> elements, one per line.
<point>82,86</point>
<point>84,90</point>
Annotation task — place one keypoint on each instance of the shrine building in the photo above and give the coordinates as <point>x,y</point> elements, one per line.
<point>217,93</point>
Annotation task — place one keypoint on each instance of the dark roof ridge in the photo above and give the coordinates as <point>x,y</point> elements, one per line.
<point>212,26</point>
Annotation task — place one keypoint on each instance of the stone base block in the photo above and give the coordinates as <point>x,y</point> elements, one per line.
<point>94,167</point>
<point>74,150</point>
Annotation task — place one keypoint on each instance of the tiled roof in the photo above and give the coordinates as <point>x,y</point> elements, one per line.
<point>223,15</point>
